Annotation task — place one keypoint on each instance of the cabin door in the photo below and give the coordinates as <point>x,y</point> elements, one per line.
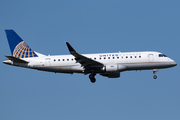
<point>47,62</point>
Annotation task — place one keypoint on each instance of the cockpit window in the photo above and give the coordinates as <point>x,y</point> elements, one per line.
<point>165,55</point>
<point>162,55</point>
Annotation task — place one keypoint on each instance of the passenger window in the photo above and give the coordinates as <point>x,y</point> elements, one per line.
<point>67,59</point>
<point>100,58</point>
<point>72,59</point>
<point>139,56</point>
<point>117,57</point>
<point>54,59</point>
<point>104,57</point>
<point>108,57</point>
<point>126,56</point>
<point>113,57</point>
<point>131,57</point>
<point>63,59</point>
<point>58,59</point>
<point>135,56</point>
<point>95,58</point>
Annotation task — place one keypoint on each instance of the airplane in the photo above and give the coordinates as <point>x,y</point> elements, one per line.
<point>106,64</point>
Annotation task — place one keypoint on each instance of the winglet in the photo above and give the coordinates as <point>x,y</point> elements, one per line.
<point>71,49</point>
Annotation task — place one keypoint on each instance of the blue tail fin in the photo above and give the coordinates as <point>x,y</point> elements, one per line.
<point>19,48</point>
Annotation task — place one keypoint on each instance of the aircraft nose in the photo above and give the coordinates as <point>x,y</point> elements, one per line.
<point>173,63</point>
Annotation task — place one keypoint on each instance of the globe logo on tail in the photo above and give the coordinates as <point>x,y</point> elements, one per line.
<point>22,50</point>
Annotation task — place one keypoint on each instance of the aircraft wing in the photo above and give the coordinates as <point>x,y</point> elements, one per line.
<point>83,60</point>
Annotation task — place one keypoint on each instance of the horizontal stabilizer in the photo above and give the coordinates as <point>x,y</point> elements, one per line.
<point>14,59</point>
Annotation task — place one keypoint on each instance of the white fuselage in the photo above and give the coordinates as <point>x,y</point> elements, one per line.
<point>106,64</point>
<point>113,62</point>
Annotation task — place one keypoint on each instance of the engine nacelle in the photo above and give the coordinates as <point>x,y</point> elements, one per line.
<point>111,75</point>
<point>111,68</point>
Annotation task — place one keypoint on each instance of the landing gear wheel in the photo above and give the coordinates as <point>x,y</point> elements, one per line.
<point>155,77</point>
<point>91,77</point>
<point>93,80</point>
<point>154,72</point>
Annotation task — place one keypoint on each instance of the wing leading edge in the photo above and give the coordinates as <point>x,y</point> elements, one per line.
<point>83,60</point>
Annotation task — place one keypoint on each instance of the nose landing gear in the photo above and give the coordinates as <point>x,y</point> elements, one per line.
<point>155,76</point>
<point>154,72</point>
<point>91,77</point>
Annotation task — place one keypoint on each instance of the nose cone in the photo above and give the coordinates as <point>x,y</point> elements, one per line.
<point>173,63</point>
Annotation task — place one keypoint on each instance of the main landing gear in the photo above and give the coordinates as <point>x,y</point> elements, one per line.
<point>154,72</point>
<point>92,78</point>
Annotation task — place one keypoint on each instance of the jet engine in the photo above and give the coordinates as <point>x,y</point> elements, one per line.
<point>111,68</point>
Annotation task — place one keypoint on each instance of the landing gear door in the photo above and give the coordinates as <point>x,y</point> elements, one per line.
<point>47,62</point>
<point>151,58</point>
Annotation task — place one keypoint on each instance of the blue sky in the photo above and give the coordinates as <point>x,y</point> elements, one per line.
<point>91,26</point>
